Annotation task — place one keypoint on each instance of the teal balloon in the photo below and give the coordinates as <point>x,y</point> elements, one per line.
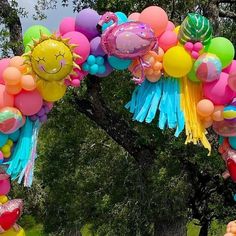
<point>118,63</point>
<point>122,18</point>
<point>3,139</point>
<point>91,60</point>
<point>235,197</point>
<point>232,142</point>
<point>100,61</point>
<point>85,66</point>
<point>101,69</point>
<point>93,69</point>
<point>221,139</point>
<point>15,136</point>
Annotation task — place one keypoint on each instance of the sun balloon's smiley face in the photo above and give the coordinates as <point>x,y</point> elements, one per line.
<point>52,60</point>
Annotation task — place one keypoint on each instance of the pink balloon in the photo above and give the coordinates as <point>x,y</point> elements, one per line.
<point>5,185</point>
<point>67,25</point>
<point>6,100</point>
<point>3,65</point>
<point>167,40</point>
<point>231,68</point>
<point>83,45</point>
<point>28,102</point>
<point>170,26</point>
<point>80,74</point>
<point>218,91</point>
<point>134,16</point>
<point>232,81</point>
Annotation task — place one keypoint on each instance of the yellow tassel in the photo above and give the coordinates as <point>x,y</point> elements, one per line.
<point>191,94</point>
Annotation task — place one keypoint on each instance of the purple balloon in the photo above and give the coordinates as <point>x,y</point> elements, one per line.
<point>43,118</point>
<point>108,71</point>
<point>86,23</point>
<point>95,46</point>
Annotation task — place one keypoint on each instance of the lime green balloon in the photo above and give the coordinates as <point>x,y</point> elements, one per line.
<point>223,49</point>
<point>193,77</point>
<point>34,32</point>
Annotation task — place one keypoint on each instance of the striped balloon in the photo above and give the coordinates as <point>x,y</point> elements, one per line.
<point>195,28</point>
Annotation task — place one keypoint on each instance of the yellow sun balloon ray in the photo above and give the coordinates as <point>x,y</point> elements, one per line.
<point>50,61</point>
<point>191,94</point>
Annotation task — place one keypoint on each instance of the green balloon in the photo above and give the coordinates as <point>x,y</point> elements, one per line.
<point>192,76</point>
<point>223,49</point>
<point>34,32</point>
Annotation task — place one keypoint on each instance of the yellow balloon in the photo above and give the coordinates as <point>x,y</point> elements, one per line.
<point>177,62</point>
<point>13,232</point>
<point>3,199</point>
<point>176,30</point>
<point>51,91</point>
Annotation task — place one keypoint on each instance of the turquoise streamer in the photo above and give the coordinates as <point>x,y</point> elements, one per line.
<point>164,96</point>
<point>23,151</point>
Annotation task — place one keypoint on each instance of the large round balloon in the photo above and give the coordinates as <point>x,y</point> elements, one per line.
<point>118,63</point>
<point>29,102</point>
<point>86,22</point>
<point>96,48</point>
<point>208,67</point>
<point>231,68</point>
<point>218,91</point>
<point>167,40</point>
<point>6,100</point>
<point>67,25</point>
<point>195,28</point>
<point>223,49</point>
<point>10,120</point>
<point>177,62</point>
<point>156,17</point>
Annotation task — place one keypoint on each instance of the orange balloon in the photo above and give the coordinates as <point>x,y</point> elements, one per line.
<point>160,54</point>
<point>217,114</point>
<point>18,62</point>
<point>11,76</point>
<point>134,16</point>
<point>153,78</point>
<point>6,100</point>
<point>157,66</point>
<point>156,17</point>
<point>205,107</point>
<point>13,89</point>
<point>149,71</point>
<point>207,122</point>
<point>28,83</point>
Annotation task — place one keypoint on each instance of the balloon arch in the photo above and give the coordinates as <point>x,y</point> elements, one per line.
<point>183,73</point>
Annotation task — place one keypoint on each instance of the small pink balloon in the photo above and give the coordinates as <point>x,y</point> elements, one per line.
<point>83,45</point>
<point>197,46</point>
<point>67,25</point>
<point>134,16</point>
<point>231,68</point>
<point>167,40</point>
<point>80,74</point>
<point>195,55</point>
<point>170,26</point>
<point>188,46</point>
<point>3,65</point>
<point>75,83</point>
<point>218,91</point>
<point>29,102</point>
<point>5,185</point>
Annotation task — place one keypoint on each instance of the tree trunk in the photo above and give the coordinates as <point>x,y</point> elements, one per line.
<point>204,229</point>
<point>175,227</point>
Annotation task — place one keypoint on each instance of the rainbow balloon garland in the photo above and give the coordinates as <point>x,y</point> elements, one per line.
<point>182,73</point>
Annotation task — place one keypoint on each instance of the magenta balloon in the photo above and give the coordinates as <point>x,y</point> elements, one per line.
<point>83,48</point>
<point>5,185</point>
<point>3,65</point>
<point>170,26</point>
<point>167,40</point>
<point>80,74</point>
<point>218,91</point>
<point>231,68</point>
<point>225,128</point>
<point>128,40</point>
<point>108,71</point>
<point>86,23</point>
<point>67,25</point>
<point>95,47</point>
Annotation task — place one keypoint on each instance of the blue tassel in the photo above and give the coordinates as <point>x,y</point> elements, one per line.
<point>21,163</point>
<point>164,96</point>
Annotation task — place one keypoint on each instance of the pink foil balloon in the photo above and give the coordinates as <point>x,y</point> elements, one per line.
<point>128,40</point>
<point>134,16</point>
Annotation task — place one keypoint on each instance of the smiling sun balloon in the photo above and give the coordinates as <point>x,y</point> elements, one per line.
<point>51,60</point>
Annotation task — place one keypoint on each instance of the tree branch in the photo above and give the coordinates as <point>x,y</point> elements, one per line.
<point>12,21</point>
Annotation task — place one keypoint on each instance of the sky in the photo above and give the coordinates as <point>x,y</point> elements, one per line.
<point>54,16</point>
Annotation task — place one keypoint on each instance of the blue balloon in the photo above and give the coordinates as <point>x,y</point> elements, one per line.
<point>3,139</point>
<point>101,69</point>
<point>118,63</point>
<point>100,61</point>
<point>15,136</point>
<point>93,69</point>
<point>122,18</point>
<point>91,60</point>
<point>232,142</point>
<point>85,66</point>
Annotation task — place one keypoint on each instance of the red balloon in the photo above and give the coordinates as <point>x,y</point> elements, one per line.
<point>28,102</point>
<point>231,165</point>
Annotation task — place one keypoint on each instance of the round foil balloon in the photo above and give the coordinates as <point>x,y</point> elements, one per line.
<point>208,67</point>
<point>10,120</point>
<point>195,28</point>
<point>10,212</point>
